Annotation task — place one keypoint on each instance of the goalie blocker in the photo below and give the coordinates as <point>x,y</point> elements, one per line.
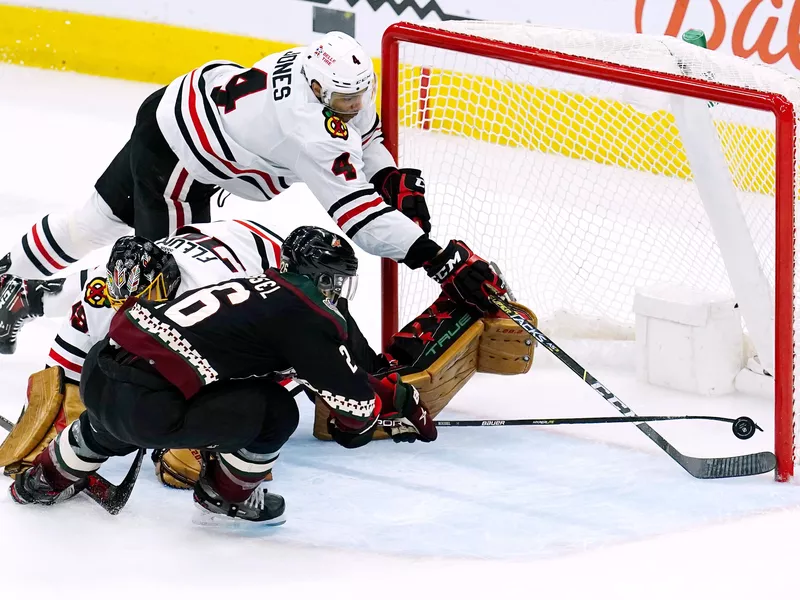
<point>442,348</point>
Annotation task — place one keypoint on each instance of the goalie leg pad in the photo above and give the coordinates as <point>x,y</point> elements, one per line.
<point>506,348</point>
<point>46,391</point>
<point>441,381</point>
<point>70,411</point>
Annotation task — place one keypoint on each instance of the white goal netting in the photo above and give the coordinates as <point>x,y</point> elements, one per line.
<point>584,190</point>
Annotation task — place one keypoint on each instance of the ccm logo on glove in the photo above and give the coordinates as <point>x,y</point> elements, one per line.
<point>449,267</point>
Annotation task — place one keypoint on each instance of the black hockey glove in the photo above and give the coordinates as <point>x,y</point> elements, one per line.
<point>404,417</point>
<point>351,434</point>
<point>465,277</point>
<point>404,189</point>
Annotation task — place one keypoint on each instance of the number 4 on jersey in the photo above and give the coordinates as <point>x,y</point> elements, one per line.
<point>249,82</point>
<point>343,166</point>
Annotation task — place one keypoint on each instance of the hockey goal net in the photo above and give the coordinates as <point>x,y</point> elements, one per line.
<point>589,165</point>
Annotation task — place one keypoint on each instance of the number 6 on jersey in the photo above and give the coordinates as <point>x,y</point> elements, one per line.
<point>204,303</point>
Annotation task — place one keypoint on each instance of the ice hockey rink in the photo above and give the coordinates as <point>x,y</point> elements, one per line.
<point>522,512</point>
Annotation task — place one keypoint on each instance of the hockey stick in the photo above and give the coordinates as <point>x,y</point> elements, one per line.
<point>701,468</point>
<point>6,424</point>
<point>743,428</point>
<point>112,498</point>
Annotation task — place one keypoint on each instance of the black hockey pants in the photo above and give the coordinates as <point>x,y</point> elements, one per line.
<point>129,406</point>
<point>147,188</point>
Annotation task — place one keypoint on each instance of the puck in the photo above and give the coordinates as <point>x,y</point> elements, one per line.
<point>744,428</point>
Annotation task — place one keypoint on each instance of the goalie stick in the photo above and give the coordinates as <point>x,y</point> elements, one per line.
<point>112,498</point>
<point>743,428</point>
<point>701,468</point>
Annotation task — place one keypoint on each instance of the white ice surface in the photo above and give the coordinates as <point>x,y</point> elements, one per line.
<point>581,512</point>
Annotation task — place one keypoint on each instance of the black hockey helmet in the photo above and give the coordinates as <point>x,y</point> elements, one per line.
<point>324,257</point>
<point>138,267</point>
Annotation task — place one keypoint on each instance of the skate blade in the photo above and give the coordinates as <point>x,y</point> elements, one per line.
<point>205,518</point>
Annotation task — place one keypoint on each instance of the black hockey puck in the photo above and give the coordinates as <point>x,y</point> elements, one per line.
<point>744,428</point>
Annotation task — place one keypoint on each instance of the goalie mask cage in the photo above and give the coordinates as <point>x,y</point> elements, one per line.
<point>590,164</point>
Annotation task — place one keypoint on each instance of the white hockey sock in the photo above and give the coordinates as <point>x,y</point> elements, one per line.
<point>60,239</point>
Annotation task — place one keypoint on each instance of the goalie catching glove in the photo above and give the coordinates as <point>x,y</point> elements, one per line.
<point>465,277</point>
<point>404,189</point>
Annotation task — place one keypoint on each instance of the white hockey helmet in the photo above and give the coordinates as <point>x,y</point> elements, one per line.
<point>344,72</point>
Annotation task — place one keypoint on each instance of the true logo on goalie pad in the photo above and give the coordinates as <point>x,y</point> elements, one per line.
<point>451,334</point>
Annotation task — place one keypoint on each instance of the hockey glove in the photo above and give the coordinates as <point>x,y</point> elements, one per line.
<point>404,189</point>
<point>465,277</point>
<point>351,435</point>
<point>405,418</point>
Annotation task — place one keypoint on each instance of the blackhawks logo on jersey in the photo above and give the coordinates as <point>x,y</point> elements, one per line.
<point>95,293</point>
<point>335,127</point>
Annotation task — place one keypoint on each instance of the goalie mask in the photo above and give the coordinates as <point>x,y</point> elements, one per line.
<point>325,258</point>
<point>139,268</point>
<point>343,71</point>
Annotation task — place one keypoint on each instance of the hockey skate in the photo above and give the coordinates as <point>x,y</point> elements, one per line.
<point>20,301</point>
<point>260,508</point>
<point>33,487</point>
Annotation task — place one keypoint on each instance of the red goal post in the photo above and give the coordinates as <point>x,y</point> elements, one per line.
<point>675,84</point>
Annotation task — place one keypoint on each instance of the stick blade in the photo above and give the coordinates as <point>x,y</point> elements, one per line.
<point>112,498</point>
<point>732,466</point>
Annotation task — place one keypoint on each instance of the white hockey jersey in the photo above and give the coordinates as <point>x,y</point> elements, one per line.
<point>206,254</point>
<point>256,131</point>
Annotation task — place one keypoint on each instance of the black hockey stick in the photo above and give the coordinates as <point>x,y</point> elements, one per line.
<point>6,424</point>
<point>743,428</point>
<point>701,468</point>
<point>109,496</point>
